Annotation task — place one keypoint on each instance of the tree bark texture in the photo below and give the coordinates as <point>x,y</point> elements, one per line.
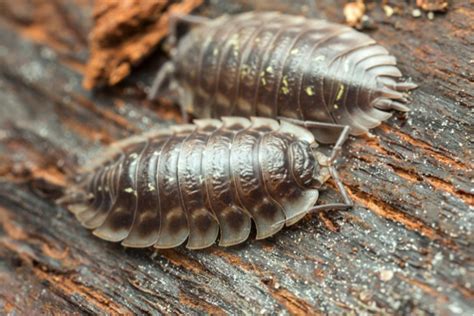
<point>405,248</point>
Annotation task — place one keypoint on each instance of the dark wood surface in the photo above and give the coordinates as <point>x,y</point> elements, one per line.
<point>405,248</point>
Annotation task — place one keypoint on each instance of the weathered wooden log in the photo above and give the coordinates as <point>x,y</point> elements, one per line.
<point>405,248</point>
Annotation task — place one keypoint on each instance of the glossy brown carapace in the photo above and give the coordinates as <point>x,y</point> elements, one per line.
<point>200,183</point>
<point>275,65</point>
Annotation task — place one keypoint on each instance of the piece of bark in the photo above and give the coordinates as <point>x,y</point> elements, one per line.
<point>353,12</point>
<point>433,5</point>
<point>125,32</point>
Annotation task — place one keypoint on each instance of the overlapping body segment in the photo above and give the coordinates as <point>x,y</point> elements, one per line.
<point>200,183</point>
<point>270,64</point>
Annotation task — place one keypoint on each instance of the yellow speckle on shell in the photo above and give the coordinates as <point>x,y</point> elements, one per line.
<point>262,78</point>
<point>285,89</point>
<point>340,92</point>
<point>309,91</point>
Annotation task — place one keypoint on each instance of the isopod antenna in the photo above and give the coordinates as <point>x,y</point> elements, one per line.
<point>336,151</point>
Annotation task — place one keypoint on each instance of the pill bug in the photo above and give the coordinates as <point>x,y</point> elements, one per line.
<point>276,65</point>
<point>202,182</point>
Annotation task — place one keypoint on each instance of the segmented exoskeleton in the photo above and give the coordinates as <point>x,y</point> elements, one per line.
<point>197,182</point>
<point>275,65</point>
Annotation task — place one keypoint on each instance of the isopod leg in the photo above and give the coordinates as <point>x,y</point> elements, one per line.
<point>165,72</point>
<point>184,102</point>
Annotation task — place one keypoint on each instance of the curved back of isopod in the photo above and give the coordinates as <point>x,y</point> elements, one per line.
<point>275,65</point>
<point>200,182</point>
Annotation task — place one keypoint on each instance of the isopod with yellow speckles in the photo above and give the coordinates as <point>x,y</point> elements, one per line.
<point>205,181</point>
<point>275,65</point>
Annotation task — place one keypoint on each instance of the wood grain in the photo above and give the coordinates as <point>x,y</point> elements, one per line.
<point>405,248</point>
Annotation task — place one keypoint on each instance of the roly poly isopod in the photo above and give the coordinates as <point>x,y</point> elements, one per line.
<point>205,181</point>
<point>275,65</point>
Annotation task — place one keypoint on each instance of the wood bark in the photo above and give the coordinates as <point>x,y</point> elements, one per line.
<point>405,248</point>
